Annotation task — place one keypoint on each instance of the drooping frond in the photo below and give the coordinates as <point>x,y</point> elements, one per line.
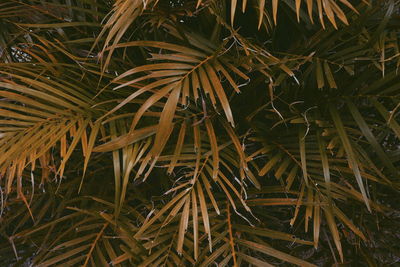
<point>199,133</point>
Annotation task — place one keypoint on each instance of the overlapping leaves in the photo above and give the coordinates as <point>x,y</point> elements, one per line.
<point>202,175</point>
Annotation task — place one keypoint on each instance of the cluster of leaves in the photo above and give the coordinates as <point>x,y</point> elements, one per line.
<point>207,132</point>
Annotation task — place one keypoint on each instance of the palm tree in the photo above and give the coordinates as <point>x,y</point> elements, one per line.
<point>199,133</point>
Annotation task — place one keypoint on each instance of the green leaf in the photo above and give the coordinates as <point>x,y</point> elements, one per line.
<point>349,151</point>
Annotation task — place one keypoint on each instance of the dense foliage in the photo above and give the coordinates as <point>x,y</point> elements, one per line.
<point>202,132</point>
